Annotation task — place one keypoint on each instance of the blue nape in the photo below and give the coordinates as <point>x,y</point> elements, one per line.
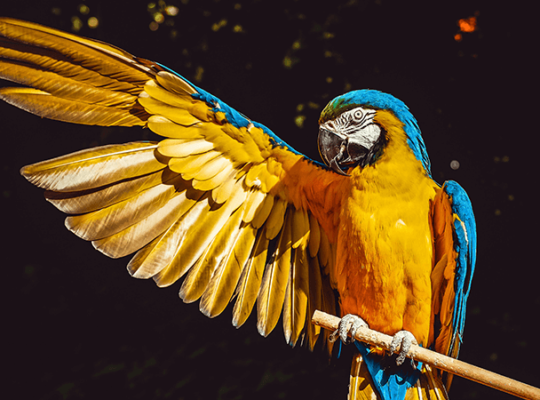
<point>390,380</point>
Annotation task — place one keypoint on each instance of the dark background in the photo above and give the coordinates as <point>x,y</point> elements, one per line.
<point>76,326</point>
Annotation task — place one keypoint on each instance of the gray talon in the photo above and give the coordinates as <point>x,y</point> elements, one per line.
<point>348,324</point>
<point>402,340</point>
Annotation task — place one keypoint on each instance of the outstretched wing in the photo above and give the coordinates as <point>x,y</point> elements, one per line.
<point>454,230</point>
<point>221,201</point>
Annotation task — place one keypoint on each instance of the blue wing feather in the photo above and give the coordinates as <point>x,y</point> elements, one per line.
<point>465,246</point>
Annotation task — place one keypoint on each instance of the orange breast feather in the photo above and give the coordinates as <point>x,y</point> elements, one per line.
<point>384,254</point>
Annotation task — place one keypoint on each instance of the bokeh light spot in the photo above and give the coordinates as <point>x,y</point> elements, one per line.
<point>76,24</point>
<point>158,17</point>
<point>93,22</point>
<point>84,9</point>
<point>299,120</point>
<point>467,24</point>
<point>171,10</point>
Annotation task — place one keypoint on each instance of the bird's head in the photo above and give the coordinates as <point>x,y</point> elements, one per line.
<point>351,134</point>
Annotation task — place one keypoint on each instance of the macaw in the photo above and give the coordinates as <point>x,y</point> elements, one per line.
<point>227,205</point>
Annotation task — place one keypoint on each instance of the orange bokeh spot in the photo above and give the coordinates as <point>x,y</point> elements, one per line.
<point>467,24</point>
<point>458,37</point>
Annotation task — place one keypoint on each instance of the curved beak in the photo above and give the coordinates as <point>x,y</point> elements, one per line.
<point>332,149</point>
<point>337,151</point>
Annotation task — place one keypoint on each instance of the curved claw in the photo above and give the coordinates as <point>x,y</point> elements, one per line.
<point>348,324</point>
<point>402,340</point>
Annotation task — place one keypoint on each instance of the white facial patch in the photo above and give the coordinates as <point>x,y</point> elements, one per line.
<point>357,126</point>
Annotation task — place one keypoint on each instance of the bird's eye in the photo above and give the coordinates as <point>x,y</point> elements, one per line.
<point>358,115</point>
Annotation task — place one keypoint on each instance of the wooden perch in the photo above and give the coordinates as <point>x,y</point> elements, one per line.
<point>437,360</point>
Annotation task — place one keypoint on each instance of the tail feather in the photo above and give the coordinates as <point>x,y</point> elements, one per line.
<point>361,387</point>
<point>360,383</point>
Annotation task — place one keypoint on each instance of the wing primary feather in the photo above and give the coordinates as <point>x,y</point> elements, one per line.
<point>45,105</point>
<point>81,202</point>
<point>83,81</point>
<point>295,306</point>
<point>198,277</point>
<point>110,220</point>
<point>136,266</point>
<point>226,276</point>
<point>204,227</point>
<point>103,57</point>
<point>174,266</point>
<point>315,300</point>
<point>159,254</point>
<point>328,301</point>
<point>248,288</point>
<point>274,285</point>
<point>93,168</point>
<point>64,87</point>
<point>143,232</point>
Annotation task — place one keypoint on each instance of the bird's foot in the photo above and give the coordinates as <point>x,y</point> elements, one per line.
<point>402,340</point>
<point>348,324</point>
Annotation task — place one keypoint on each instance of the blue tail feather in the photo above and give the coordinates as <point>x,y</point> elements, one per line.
<point>390,380</point>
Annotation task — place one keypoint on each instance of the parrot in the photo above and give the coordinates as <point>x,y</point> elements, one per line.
<point>226,205</point>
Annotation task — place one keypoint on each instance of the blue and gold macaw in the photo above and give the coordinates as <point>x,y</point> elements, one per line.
<point>227,205</point>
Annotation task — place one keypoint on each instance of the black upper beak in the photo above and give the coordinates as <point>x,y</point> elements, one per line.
<point>338,152</point>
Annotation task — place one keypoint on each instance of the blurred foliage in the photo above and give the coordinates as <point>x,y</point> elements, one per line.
<point>78,327</point>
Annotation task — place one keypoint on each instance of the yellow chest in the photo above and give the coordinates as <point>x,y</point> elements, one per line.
<point>385,249</point>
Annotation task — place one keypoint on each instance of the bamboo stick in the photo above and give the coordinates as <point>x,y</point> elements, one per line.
<point>437,360</point>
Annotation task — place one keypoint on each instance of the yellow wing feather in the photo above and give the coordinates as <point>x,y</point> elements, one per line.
<point>95,167</point>
<point>247,290</point>
<point>241,216</point>
<point>315,299</point>
<point>276,218</point>
<point>296,297</point>
<point>225,278</point>
<point>77,80</point>
<point>191,164</point>
<point>274,284</point>
<point>263,211</point>
<point>108,221</point>
<point>160,254</point>
<point>218,251</point>
<point>86,201</point>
